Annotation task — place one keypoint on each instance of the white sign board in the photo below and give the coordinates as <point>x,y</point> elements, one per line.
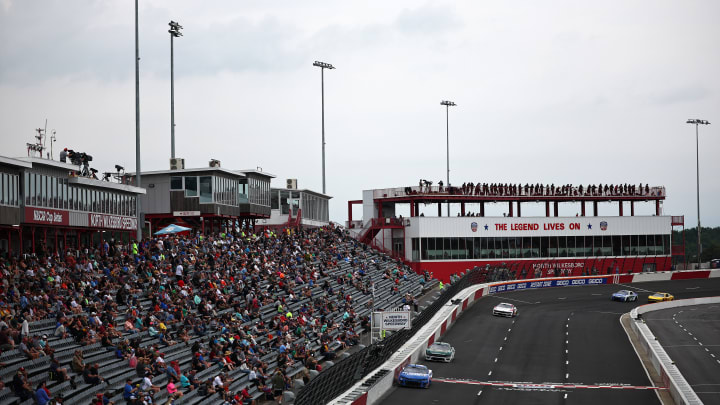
<point>186,213</point>
<point>395,320</point>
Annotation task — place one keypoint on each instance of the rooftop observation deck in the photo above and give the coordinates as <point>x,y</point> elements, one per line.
<point>519,193</point>
<point>514,195</point>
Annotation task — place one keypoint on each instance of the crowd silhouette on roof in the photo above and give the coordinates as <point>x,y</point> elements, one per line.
<point>537,189</point>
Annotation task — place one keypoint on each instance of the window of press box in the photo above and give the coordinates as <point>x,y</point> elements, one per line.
<point>191,186</point>
<point>176,183</point>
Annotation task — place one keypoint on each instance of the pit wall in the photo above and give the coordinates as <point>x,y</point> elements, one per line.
<point>442,270</point>
<point>413,350</point>
<point>680,390</point>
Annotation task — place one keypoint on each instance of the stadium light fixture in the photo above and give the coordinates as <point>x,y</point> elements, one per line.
<point>323,66</point>
<point>447,105</point>
<point>697,123</point>
<point>174,33</point>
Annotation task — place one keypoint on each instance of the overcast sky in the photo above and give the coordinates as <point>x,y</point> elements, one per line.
<point>546,91</point>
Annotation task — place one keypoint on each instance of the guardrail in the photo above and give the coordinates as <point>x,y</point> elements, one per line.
<point>679,388</point>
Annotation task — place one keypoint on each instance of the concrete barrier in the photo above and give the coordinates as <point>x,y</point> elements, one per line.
<point>680,390</point>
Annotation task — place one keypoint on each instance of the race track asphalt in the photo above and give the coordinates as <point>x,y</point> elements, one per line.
<point>691,337</point>
<point>562,336</point>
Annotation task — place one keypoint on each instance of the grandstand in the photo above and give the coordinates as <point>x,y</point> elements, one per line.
<point>321,279</point>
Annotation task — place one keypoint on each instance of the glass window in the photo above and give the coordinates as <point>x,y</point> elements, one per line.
<point>562,246</point>
<point>429,245</point>
<point>634,247</point>
<point>571,246</point>
<point>607,248</point>
<point>4,189</point>
<point>460,252</point>
<point>206,189</point>
<point>176,183</point>
<point>653,246</point>
<point>597,246</point>
<point>552,246</point>
<point>642,245</point>
<point>616,245</point>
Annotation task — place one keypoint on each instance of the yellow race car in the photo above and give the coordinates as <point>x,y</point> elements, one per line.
<point>660,296</point>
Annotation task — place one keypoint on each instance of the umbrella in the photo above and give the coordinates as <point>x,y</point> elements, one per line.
<point>172,229</point>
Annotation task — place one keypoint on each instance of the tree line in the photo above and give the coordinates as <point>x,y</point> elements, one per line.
<point>710,243</point>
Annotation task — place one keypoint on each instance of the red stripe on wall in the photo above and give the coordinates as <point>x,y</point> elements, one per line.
<point>362,400</point>
<point>684,275</point>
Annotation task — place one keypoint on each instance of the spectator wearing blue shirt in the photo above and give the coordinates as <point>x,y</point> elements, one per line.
<point>129,391</point>
<point>41,395</point>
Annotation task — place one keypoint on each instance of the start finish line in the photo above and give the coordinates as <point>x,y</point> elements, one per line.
<point>540,387</point>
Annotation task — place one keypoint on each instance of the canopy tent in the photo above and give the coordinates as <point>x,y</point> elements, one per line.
<point>172,230</point>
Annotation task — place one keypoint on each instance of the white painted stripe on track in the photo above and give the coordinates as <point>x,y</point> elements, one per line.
<point>635,288</point>
<point>527,385</point>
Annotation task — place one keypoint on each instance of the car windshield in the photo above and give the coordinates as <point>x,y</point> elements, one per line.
<point>505,306</point>
<point>415,369</point>
<point>624,292</point>
<point>440,346</point>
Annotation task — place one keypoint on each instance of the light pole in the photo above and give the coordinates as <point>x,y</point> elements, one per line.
<point>697,123</point>
<point>174,33</point>
<point>138,183</point>
<point>323,66</point>
<point>447,105</point>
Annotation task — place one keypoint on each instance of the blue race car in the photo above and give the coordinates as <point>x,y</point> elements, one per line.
<point>624,296</point>
<point>415,375</point>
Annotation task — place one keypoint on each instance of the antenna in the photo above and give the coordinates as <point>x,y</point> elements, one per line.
<point>37,147</point>
<point>52,141</point>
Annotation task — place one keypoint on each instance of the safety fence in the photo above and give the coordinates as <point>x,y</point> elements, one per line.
<point>343,375</point>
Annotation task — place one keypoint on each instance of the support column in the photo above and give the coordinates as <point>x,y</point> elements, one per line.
<point>379,209</point>
<point>202,222</point>
<point>462,209</point>
<point>632,208</point>
<point>582,208</point>
<point>595,209</point>
<point>510,208</point>
<point>657,209</point>
<point>9,236</point>
<point>412,210</point>
<point>555,208</point>
<point>519,212</point>
<point>439,209</point>
<point>547,208</point>
<point>56,240</point>
<point>482,208</point>
<point>417,209</point>
<point>620,204</point>
<point>350,213</point>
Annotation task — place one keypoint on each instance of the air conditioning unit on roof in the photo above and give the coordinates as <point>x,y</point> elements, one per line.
<point>177,164</point>
<point>292,184</point>
<point>214,163</point>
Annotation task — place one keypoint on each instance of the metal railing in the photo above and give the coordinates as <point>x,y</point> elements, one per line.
<point>517,190</point>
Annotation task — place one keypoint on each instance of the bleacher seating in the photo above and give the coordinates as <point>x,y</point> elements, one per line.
<point>338,260</point>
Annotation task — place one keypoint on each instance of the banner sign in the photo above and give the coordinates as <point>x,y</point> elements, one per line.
<point>46,216</point>
<point>547,283</point>
<point>395,320</point>
<point>113,222</point>
<point>186,213</point>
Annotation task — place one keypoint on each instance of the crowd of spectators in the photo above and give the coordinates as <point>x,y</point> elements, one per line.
<point>509,189</point>
<point>203,292</point>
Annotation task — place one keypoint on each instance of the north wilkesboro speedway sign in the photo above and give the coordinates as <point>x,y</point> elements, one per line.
<point>546,283</point>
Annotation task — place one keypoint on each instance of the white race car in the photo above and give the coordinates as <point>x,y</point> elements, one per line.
<point>505,309</point>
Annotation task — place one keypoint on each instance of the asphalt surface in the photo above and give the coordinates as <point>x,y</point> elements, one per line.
<point>691,337</point>
<point>562,337</point>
